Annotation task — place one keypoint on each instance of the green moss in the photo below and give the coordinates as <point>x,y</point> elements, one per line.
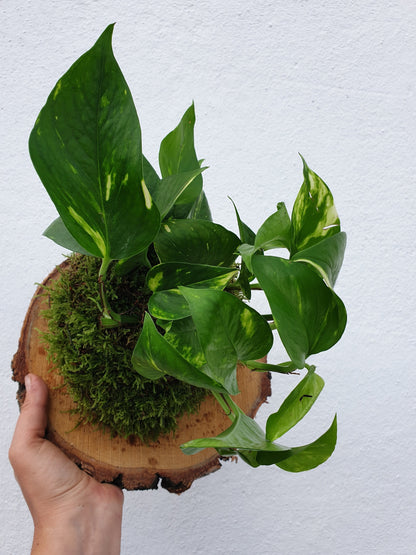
<point>95,362</point>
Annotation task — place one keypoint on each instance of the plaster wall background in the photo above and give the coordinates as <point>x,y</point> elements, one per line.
<point>332,80</point>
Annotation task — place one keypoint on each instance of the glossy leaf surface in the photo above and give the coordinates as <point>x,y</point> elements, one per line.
<point>197,242</point>
<point>154,357</point>
<point>309,316</point>
<point>177,155</point>
<point>86,148</point>
<point>228,331</point>
<point>311,455</point>
<point>183,336</point>
<point>295,406</point>
<point>172,274</point>
<point>170,188</point>
<point>326,256</point>
<point>275,231</point>
<point>314,215</point>
<point>168,305</point>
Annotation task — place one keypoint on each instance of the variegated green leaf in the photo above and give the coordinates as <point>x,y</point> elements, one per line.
<point>183,336</point>
<point>172,274</point>
<point>295,406</point>
<point>154,357</point>
<point>228,331</point>
<point>314,215</point>
<point>58,233</point>
<point>275,231</point>
<point>168,305</point>
<point>177,155</point>
<point>326,257</point>
<point>86,148</point>
<point>197,242</point>
<point>309,316</point>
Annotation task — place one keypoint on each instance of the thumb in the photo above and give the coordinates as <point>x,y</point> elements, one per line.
<point>31,424</point>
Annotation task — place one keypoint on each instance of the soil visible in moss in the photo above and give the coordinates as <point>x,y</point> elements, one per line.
<point>96,362</point>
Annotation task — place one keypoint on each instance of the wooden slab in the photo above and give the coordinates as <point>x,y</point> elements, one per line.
<point>127,462</point>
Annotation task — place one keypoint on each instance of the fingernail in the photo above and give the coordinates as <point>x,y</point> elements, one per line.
<point>28,382</point>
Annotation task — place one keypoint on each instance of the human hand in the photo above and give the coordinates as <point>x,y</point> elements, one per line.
<point>72,513</point>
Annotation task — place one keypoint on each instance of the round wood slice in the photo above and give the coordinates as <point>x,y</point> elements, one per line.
<point>127,462</point>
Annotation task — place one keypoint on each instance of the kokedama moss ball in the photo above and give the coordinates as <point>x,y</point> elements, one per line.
<point>96,362</point>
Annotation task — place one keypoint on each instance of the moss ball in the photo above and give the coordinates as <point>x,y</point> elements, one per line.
<point>96,362</point>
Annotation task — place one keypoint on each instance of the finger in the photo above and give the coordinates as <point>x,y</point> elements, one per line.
<point>31,424</point>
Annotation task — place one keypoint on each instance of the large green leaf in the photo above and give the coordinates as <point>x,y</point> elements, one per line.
<point>197,242</point>
<point>154,357</point>
<point>244,433</point>
<point>172,274</point>
<point>60,235</point>
<point>295,406</point>
<point>177,155</point>
<point>311,455</point>
<point>326,256</point>
<point>309,316</point>
<point>314,216</point>
<point>86,148</point>
<point>275,231</point>
<point>228,331</point>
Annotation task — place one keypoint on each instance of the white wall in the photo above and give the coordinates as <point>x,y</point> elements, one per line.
<point>332,80</point>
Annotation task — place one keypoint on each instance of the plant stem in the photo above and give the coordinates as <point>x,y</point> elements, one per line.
<point>102,277</point>
<point>226,403</point>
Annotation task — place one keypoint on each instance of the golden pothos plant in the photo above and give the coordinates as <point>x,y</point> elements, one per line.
<point>114,206</point>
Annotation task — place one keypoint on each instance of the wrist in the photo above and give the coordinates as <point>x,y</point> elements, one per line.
<point>85,531</point>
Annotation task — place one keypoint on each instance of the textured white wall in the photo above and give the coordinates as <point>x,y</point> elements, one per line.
<point>332,80</point>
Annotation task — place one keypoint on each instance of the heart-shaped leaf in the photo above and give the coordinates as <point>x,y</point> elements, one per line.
<point>86,148</point>
<point>228,331</point>
<point>309,316</point>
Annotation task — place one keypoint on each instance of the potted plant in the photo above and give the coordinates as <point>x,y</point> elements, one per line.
<point>152,317</point>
